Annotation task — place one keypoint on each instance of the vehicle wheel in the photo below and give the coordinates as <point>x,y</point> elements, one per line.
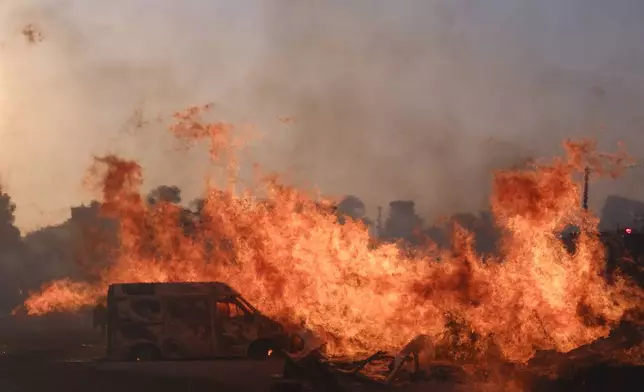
<point>145,353</point>
<point>262,350</point>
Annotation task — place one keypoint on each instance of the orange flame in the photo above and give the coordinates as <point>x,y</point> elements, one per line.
<point>293,260</point>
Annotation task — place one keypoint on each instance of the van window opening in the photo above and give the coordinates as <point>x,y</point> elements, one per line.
<point>230,310</point>
<point>246,304</point>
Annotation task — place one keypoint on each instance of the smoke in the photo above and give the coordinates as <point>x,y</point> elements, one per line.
<point>412,99</point>
<point>421,99</point>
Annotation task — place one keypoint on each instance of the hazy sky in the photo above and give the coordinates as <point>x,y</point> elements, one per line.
<point>392,99</point>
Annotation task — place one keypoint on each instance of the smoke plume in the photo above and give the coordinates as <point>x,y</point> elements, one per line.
<point>386,100</point>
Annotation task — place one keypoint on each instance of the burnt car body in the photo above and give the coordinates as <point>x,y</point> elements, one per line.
<point>154,321</point>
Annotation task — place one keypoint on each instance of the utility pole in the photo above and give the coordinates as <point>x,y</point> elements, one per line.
<point>586,180</point>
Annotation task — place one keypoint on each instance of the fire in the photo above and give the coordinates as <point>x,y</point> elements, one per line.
<point>288,255</point>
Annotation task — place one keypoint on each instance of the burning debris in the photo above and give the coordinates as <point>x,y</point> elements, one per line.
<point>300,266</point>
<point>33,34</point>
<point>311,369</point>
<point>416,364</point>
<point>287,120</point>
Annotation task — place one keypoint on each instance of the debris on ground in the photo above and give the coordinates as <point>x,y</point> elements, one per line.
<point>311,370</point>
<point>417,366</point>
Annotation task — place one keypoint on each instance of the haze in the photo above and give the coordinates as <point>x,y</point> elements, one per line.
<point>391,100</point>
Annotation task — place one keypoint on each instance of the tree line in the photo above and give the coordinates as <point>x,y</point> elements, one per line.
<point>73,248</point>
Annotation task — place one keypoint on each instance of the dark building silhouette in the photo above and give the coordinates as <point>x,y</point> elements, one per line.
<point>622,233</point>
<point>619,212</point>
<point>481,226</point>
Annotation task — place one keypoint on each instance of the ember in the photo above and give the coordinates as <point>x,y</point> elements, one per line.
<point>298,264</point>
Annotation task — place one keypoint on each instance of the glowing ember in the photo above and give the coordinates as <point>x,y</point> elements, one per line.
<point>295,262</point>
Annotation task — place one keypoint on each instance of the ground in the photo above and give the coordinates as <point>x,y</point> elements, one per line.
<point>55,355</point>
<point>36,372</point>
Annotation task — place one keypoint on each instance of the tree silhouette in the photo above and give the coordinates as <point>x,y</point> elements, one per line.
<point>352,206</point>
<point>402,222</point>
<point>486,234</point>
<point>197,205</point>
<point>9,234</point>
<point>94,239</point>
<point>12,269</point>
<point>169,194</point>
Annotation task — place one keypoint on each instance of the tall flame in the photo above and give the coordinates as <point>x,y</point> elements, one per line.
<point>288,255</point>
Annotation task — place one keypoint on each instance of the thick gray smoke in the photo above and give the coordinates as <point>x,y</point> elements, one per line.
<point>414,99</point>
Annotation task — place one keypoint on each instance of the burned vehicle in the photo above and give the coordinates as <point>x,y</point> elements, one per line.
<point>155,321</point>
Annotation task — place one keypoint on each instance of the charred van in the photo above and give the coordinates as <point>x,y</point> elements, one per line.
<point>154,321</point>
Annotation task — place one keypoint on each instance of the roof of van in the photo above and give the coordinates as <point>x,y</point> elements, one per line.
<point>174,287</point>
